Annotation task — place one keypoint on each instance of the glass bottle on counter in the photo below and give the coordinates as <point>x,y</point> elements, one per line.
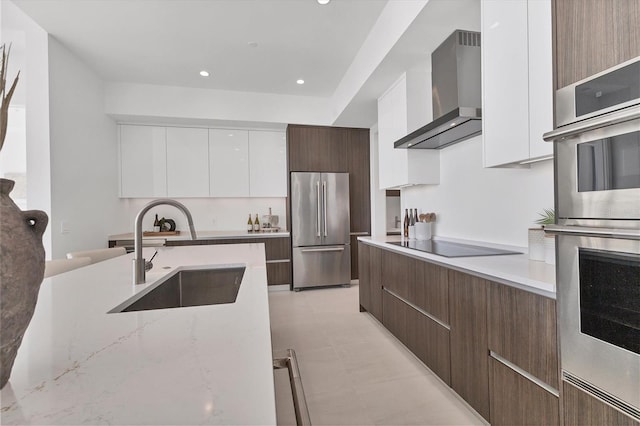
<point>406,223</point>
<point>256,224</point>
<point>156,224</point>
<point>415,216</point>
<point>249,224</point>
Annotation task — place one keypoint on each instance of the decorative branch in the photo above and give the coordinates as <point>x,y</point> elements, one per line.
<point>5,97</point>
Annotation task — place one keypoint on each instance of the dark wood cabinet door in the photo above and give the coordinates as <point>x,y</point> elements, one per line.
<point>364,284</point>
<point>398,273</point>
<point>522,330</point>
<point>394,316</point>
<point>429,341</point>
<point>375,272</point>
<point>593,35</point>
<point>516,400</point>
<point>315,149</point>
<point>357,145</point>
<point>468,334</point>
<point>431,290</point>
<point>583,409</point>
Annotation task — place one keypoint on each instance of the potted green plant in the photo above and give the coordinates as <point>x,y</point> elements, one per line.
<point>22,261</point>
<point>536,235</point>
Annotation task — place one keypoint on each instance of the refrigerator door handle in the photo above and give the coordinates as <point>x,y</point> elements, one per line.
<point>315,250</point>
<point>324,206</point>
<point>318,213</point>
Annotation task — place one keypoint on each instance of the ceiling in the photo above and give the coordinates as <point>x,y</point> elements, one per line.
<point>168,42</point>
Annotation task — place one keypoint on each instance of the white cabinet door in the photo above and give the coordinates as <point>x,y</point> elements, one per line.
<point>403,167</point>
<point>187,162</point>
<point>505,75</point>
<point>540,77</point>
<point>229,163</point>
<point>267,164</point>
<point>516,80</point>
<point>143,161</point>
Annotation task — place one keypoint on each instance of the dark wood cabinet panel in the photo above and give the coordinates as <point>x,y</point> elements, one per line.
<point>593,35</point>
<point>516,400</point>
<point>336,149</point>
<point>279,273</point>
<point>276,248</point>
<point>429,341</point>
<point>375,271</point>
<point>364,281</point>
<point>394,316</point>
<point>582,409</point>
<point>522,329</point>
<point>468,336</point>
<point>355,263</point>
<point>398,273</point>
<point>431,290</point>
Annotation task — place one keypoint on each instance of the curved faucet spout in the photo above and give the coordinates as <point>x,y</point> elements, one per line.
<point>138,260</point>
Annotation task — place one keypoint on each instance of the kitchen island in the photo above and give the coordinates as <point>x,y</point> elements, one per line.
<point>210,364</point>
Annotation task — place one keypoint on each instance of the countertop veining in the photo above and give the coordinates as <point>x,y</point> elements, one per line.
<point>194,365</point>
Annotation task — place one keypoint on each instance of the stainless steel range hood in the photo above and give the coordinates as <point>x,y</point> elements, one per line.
<point>456,91</point>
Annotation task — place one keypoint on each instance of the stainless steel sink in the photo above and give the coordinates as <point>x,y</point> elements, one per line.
<point>190,287</point>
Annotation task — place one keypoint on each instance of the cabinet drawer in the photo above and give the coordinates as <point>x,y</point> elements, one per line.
<point>522,329</point>
<point>515,400</point>
<point>321,266</point>
<point>279,273</point>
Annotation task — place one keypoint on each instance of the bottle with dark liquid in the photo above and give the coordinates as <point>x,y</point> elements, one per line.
<point>406,223</point>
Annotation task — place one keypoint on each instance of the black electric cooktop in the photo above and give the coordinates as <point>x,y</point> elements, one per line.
<point>450,249</point>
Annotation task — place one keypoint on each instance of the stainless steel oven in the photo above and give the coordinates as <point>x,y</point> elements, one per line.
<point>597,183</point>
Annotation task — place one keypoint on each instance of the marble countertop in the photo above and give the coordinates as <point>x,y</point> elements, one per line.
<point>515,270</point>
<point>194,365</point>
<point>206,235</point>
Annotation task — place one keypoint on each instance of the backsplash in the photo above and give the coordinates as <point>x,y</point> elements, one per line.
<point>495,205</point>
<point>209,214</point>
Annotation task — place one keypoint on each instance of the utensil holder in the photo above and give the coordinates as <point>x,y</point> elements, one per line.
<point>423,231</point>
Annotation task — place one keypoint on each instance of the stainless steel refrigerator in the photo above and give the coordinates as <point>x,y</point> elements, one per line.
<point>320,229</point>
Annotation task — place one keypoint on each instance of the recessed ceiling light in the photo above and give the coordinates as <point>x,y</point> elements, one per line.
<point>204,73</point>
<point>300,81</point>
<point>252,44</point>
<point>323,1</point>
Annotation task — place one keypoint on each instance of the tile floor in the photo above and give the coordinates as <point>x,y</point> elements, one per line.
<point>354,372</point>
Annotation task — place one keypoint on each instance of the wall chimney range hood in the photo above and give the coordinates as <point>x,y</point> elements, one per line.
<point>456,94</point>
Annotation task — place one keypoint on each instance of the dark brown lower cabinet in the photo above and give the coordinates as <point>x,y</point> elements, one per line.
<point>427,339</point>
<point>370,287</point>
<point>582,409</point>
<point>515,400</point>
<point>277,254</point>
<point>469,347</point>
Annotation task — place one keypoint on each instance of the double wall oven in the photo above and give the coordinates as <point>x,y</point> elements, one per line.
<point>597,175</point>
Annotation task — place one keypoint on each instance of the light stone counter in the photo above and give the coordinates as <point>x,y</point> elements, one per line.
<point>194,365</point>
<point>515,270</point>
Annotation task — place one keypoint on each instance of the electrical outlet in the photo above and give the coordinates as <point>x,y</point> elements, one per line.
<point>64,227</point>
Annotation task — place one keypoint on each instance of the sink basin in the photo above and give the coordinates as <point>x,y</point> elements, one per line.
<point>190,287</point>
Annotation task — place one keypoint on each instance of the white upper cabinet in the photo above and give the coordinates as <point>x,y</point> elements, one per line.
<point>229,162</point>
<point>198,162</point>
<point>267,164</point>
<point>143,161</point>
<point>187,162</point>
<point>403,167</point>
<point>517,91</point>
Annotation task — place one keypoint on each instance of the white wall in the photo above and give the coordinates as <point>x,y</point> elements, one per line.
<point>31,43</point>
<point>84,182</point>
<point>220,214</point>
<point>474,203</point>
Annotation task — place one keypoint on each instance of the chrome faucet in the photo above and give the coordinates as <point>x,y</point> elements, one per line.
<point>139,263</point>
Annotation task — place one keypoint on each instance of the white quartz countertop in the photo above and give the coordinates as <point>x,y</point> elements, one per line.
<point>193,365</point>
<point>206,235</point>
<point>515,270</point>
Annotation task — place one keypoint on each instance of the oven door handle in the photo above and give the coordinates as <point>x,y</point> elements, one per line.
<point>627,234</point>
<point>565,132</point>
